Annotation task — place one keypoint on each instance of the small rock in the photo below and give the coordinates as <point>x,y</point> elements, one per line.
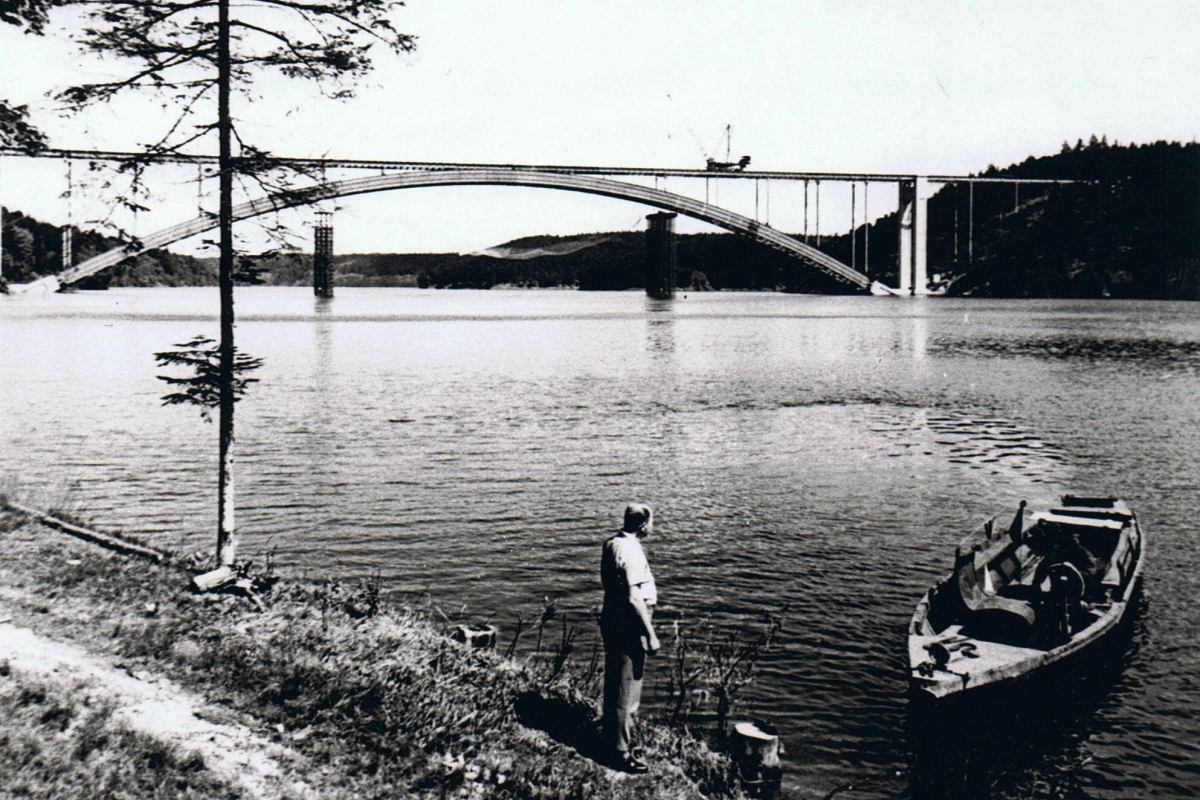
<point>188,651</point>
<point>74,562</point>
<point>151,609</point>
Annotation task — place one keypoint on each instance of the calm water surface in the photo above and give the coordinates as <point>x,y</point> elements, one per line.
<point>815,453</point>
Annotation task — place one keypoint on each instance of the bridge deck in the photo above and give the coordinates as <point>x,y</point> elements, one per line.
<point>562,169</point>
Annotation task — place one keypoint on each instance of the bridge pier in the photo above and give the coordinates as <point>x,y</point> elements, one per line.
<point>914,201</point>
<point>661,256</point>
<point>323,255</point>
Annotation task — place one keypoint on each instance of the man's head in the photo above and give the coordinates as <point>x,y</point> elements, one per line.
<point>639,519</point>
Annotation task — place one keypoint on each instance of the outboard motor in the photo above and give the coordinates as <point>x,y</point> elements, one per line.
<point>1060,586</point>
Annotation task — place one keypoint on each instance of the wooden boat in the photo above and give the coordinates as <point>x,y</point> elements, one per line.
<point>1051,584</point>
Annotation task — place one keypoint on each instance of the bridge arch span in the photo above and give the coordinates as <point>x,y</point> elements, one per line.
<point>668,201</point>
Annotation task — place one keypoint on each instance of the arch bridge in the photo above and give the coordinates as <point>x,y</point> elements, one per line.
<point>482,176</point>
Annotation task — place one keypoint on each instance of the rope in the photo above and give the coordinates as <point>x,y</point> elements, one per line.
<point>862,783</point>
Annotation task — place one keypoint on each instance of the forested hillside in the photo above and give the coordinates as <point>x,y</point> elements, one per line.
<point>32,248</point>
<point>1130,227</point>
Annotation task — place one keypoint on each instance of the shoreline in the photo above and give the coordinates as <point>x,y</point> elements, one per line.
<point>372,700</point>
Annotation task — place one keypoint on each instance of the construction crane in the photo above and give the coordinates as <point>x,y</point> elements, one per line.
<point>728,165</point>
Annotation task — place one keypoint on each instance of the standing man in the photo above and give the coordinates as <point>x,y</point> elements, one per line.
<point>627,630</point>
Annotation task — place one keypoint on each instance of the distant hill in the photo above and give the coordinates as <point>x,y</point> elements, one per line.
<point>1130,230</point>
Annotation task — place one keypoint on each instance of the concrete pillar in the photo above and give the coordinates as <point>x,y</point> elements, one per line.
<point>661,259</point>
<point>907,210</point>
<point>920,281</point>
<point>323,255</point>
<point>914,201</point>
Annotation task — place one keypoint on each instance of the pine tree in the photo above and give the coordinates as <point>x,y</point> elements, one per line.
<point>195,56</point>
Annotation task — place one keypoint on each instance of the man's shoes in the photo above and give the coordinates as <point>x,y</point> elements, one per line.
<point>626,762</point>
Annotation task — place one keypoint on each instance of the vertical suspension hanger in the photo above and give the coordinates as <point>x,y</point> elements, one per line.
<point>768,187</point>
<point>68,245</point>
<point>866,232</point>
<point>971,222</point>
<point>756,199</point>
<point>955,223</point>
<point>806,210</point>
<point>818,213</point>
<point>853,226</point>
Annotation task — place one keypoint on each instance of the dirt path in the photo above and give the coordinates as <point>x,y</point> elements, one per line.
<point>158,708</point>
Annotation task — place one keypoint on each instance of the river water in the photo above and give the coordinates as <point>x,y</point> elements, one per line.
<point>822,454</point>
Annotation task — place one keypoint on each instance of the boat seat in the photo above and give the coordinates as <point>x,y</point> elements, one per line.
<point>993,616</point>
<point>1093,513</point>
<point>1097,535</point>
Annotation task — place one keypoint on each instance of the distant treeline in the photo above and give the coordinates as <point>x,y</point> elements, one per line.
<point>32,248</point>
<point>1128,229</point>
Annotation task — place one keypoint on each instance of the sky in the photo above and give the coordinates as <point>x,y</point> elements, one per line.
<point>895,87</point>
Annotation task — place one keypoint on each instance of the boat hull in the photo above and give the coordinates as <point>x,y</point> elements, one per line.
<point>951,660</point>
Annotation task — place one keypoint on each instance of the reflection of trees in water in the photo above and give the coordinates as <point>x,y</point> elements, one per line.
<point>1026,738</point>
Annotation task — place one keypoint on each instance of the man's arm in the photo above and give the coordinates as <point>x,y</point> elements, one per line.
<point>643,615</point>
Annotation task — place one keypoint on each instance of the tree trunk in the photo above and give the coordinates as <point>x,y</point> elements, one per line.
<point>226,539</point>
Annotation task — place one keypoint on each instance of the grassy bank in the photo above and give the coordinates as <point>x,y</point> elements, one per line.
<point>55,745</point>
<point>376,700</point>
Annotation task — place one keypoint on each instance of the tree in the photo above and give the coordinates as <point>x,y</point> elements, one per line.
<point>15,130</point>
<point>202,388</point>
<point>183,52</point>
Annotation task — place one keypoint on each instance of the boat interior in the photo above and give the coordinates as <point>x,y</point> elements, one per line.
<point>1039,581</point>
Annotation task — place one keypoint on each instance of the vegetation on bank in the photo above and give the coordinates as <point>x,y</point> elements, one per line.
<point>1126,230</point>
<point>375,698</point>
<point>54,746</point>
